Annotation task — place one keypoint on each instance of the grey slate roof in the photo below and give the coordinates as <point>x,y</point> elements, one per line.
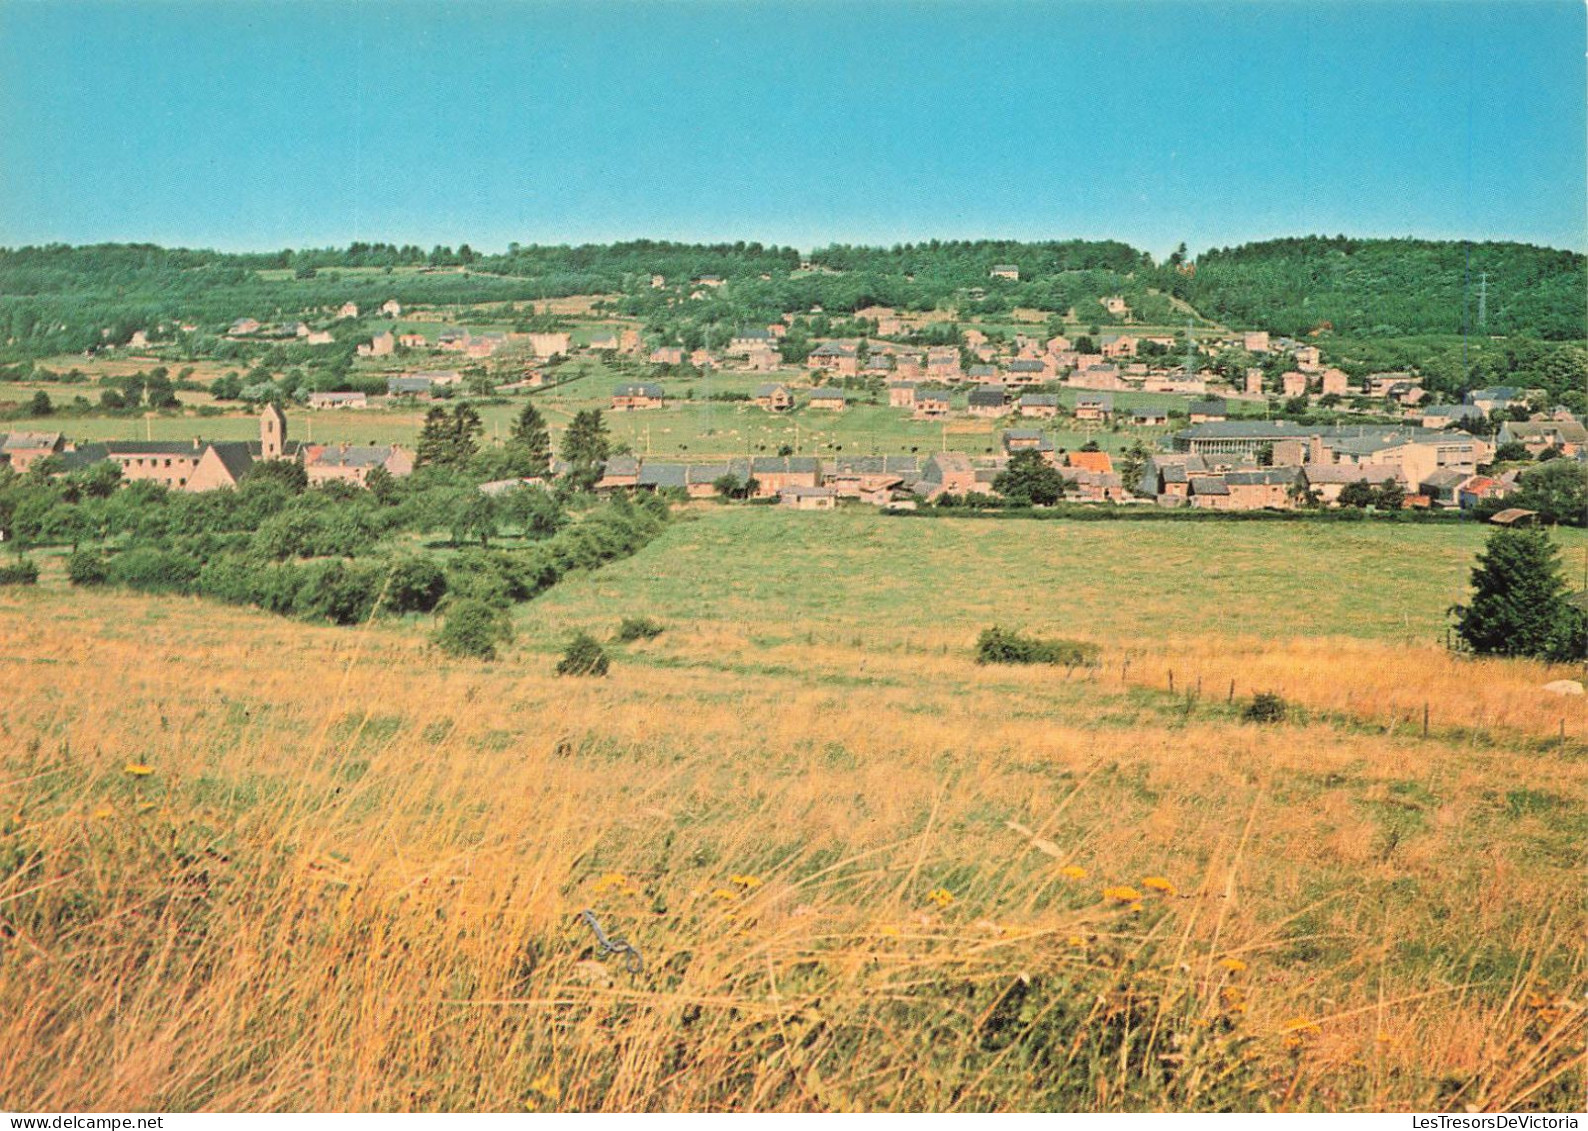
<point>621,465</point>
<point>354,455</point>
<point>407,385</point>
<point>1263,477</point>
<point>152,448</point>
<point>659,475</point>
<point>786,465</point>
<point>988,395</point>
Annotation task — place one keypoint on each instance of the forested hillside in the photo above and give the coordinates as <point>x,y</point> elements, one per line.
<point>1388,288</point>
<point>59,298</point>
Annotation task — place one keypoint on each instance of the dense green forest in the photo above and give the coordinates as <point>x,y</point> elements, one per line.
<point>57,298</point>
<point>1390,288</point>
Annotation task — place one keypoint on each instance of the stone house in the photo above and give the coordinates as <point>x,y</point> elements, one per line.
<point>1041,406</point>
<point>352,463</point>
<point>774,398</point>
<point>632,398</point>
<point>988,401</point>
<point>1094,406</point>
<point>901,394</point>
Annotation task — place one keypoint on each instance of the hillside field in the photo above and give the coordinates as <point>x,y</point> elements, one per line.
<point>249,864</point>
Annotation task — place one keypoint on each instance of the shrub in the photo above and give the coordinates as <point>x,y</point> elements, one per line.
<point>20,572</point>
<point>474,628</point>
<point>1265,707</point>
<point>85,567</point>
<point>638,628</point>
<point>414,585</point>
<point>153,571</point>
<point>996,646</point>
<point>584,656</point>
<point>342,594</point>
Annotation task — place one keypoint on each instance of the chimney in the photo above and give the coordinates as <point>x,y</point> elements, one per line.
<point>1315,450</point>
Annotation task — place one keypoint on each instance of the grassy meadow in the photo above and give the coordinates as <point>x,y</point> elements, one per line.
<point>251,864</point>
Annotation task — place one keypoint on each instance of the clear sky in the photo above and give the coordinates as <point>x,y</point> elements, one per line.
<point>302,123</point>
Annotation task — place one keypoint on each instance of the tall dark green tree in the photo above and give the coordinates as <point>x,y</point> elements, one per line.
<point>449,440</point>
<point>435,439</point>
<point>1029,479</point>
<point>586,446</point>
<point>530,442</point>
<point>1518,602</point>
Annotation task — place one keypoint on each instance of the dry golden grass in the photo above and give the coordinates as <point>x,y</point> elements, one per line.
<point>863,874</point>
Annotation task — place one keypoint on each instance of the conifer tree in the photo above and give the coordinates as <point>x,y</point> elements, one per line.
<point>1518,603</point>
<point>530,442</point>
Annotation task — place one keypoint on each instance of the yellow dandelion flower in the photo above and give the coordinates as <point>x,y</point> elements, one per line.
<point>545,1087</point>
<point>1384,1039</point>
<point>1298,1030</point>
<point>748,882</point>
<point>724,893</point>
<point>104,812</point>
<point>1076,940</point>
<point>889,932</point>
<point>1134,907</point>
<point>611,880</point>
<point>1233,965</point>
<point>137,769</point>
<point>1073,872</point>
<point>1158,883</point>
<point>940,896</point>
<point>1122,894</point>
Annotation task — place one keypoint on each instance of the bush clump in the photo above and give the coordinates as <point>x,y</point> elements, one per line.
<point>86,567</point>
<point>584,656</point>
<point>1265,707</point>
<point>638,628</point>
<point>414,585</point>
<point>474,628</point>
<point>20,572</point>
<point>998,646</point>
<point>150,570</point>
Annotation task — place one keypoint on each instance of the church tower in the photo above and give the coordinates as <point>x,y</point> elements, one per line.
<point>272,432</point>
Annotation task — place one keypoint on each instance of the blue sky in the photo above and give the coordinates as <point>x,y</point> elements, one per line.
<point>299,123</point>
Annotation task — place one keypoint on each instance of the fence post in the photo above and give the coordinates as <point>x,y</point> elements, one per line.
<point>1171,681</point>
<point>1425,719</point>
<point>1231,699</point>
